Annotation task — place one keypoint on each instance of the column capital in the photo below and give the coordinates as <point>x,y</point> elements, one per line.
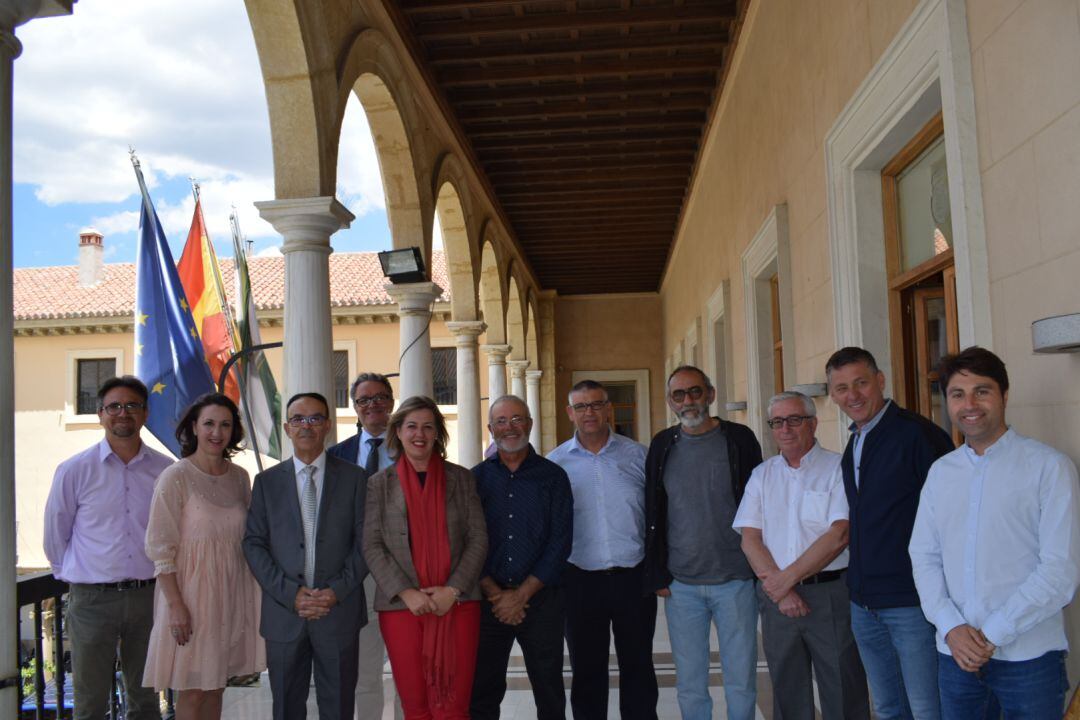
<point>414,298</point>
<point>305,223</point>
<point>496,353</point>
<point>517,367</point>
<point>533,376</point>
<point>465,329</point>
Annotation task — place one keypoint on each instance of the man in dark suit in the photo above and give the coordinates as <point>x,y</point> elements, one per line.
<point>304,530</point>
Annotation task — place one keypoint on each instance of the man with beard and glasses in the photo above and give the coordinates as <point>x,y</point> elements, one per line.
<point>695,475</point>
<point>95,527</point>
<point>528,507</point>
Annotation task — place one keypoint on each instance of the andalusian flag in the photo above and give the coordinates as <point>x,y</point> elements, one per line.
<point>261,403</point>
<point>168,355</point>
<point>201,277</point>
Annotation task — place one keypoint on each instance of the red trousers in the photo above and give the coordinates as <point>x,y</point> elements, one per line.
<point>401,633</point>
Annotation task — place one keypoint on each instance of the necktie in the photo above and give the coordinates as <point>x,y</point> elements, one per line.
<point>371,465</point>
<point>307,512</point>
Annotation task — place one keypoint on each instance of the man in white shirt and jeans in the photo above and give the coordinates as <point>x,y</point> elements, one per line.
<point>794,524</point>
<point>996,553</point>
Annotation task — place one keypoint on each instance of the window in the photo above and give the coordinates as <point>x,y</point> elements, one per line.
<point>91,373</point>
<point>339,364</point>
<point>777,338</point>
<point>623,398</point>
<point>921,272</point>
<point>444,375</point>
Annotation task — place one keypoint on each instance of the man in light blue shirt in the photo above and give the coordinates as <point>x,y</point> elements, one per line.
<point>603,581</point>
<point>996,553</point>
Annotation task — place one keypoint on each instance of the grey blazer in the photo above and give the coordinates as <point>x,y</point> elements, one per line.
<point>386,536</point>
<point>274,547</point>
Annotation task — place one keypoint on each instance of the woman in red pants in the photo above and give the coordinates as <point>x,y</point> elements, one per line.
<point>425,542</point>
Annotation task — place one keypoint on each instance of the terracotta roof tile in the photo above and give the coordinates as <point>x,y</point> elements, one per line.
<point>53,293</point>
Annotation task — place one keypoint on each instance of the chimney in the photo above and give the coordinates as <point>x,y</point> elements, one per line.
<point>91,257</point>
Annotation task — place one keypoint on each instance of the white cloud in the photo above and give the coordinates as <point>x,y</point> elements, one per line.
<point>270,251</point>
<point>180,81</point>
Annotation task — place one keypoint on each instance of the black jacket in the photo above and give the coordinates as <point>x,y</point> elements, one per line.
<point>744,454</point>
<point>896,456</point>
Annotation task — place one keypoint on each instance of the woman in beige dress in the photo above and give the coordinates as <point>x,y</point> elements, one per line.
<point>206,612</point>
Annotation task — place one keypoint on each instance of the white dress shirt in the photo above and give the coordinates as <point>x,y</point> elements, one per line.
<point>320,473</point>
<point>996,545</point>
<point>609,501</point>
<point>364,450</point>
<point>793,507</point>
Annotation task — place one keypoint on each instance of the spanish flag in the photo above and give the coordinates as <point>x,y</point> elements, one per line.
<point>201,278</point>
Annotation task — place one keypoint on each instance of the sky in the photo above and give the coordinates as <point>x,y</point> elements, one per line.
<point>179,81</point>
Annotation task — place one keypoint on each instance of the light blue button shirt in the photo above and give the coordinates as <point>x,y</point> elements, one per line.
<point>365,449</point>
<point>860,436</point>
<point>609,501</point>
<point>996,545</point>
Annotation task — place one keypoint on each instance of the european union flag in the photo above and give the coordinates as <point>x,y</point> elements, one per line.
<point>168,352</point>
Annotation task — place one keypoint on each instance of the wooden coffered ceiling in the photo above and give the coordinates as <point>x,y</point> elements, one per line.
<point>585,117</point>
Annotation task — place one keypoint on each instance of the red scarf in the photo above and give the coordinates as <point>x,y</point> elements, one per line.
<point>426,511</point>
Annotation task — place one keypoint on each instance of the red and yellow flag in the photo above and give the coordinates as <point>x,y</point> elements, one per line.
<point>201,278</point>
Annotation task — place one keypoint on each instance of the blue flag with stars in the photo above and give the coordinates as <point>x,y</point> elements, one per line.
<point>168,352</point>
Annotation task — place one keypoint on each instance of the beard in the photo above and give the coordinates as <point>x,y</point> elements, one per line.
<point>511,445</point>
<point>694,416</point>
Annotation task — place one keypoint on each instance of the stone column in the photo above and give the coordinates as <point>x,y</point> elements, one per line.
<point>306,225</point>
<point>496,355</point>
<point>414,302</point>
<point>470,438</point>
<point>532,383</point>
<point>517,376</point>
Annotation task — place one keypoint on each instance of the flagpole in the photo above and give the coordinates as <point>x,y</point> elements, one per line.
<point>234,226</point>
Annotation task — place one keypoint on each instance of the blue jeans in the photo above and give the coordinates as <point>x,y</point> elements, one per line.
<point>1023,689</point>
<point>732,607</point>
<point>899,653</point>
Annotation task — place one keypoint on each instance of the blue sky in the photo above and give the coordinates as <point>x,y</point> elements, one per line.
<point>179,81</point>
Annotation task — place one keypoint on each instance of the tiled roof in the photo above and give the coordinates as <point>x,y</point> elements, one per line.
<point>53,293</point>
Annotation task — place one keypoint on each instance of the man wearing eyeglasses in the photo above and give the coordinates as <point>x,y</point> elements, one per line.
<point>95,527</point>
<point>794,524</point>
<point>604,575</point>
<point>695,476</point>
<point>304,528</point>
<point>373,399</point>
<point>528,508</point>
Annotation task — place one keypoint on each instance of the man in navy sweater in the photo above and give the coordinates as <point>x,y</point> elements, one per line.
<point>884,466</point>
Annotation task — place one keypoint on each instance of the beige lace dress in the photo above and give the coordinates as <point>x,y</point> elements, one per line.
<point>196,525</point>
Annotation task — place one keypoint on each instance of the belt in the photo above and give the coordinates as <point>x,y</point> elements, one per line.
<point>606,571</point>
<point>824,577</point>
<point>124,584</point>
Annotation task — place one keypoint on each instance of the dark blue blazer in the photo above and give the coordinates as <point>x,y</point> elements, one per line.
<point>348,449</point>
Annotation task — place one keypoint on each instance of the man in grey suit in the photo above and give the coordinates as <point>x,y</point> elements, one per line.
<point>304,530</point>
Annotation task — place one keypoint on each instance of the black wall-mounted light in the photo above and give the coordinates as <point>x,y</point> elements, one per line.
<point>403,266</point>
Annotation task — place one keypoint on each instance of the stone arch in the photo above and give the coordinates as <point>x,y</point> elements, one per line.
<point>492,292</point>
<point>300,97</point>
<point>372,70</point>
<point>515,319</point>
<point>532,338</point>
<point>453,208</point>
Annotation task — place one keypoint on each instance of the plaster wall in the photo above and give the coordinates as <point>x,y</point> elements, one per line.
<point>607,332</point>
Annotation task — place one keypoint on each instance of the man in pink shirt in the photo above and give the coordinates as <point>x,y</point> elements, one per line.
<point>95,529</point>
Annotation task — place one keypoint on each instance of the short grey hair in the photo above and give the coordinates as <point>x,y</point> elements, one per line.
<point>585,385</point>
<point>691,368</point>
<point>370,377</point>
<point>808,405</point>
<point>508,398</point>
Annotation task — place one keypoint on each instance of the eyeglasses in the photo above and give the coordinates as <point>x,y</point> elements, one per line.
<point>517,421</point>
<point>309,420</point>
<point>116,408</point>
<point>793,421</point>
<point>595,406</point>
<point>695,393</point>
<point>381,398</point>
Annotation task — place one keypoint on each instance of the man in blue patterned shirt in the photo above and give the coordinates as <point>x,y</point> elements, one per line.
<point>529,510</point>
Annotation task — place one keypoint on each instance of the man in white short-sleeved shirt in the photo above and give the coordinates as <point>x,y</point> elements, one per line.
<point>794,524</point>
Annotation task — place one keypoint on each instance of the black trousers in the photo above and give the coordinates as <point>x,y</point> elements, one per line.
<point>541,639</point>
<point>598,604</point>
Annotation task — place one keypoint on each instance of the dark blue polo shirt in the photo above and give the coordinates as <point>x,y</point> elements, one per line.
<point>530,516</point>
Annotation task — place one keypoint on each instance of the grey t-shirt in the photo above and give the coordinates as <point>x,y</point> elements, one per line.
<point>702,547</point>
